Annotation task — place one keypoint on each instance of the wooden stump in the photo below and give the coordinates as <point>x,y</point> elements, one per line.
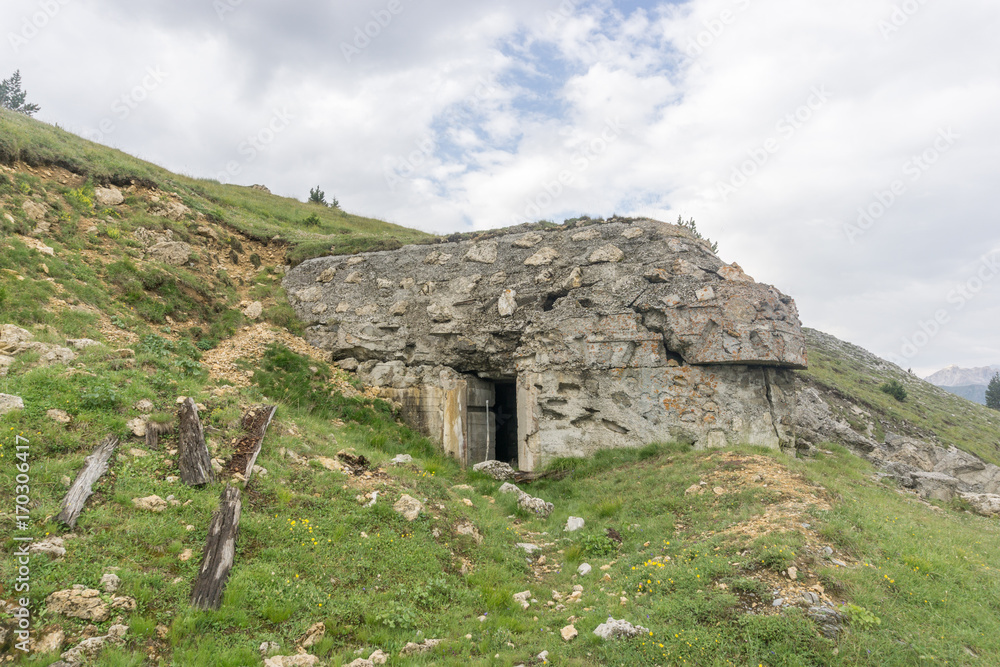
<point>96,466</point>
<point>255,423</point>
<point>153,432</point>
<point>220,551</point>
<point>195,462</point>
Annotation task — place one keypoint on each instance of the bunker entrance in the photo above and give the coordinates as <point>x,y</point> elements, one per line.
<point>492,421</point>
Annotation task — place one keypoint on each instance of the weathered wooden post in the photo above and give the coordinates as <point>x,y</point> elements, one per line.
<point>96,466</point>
<point>220,551</point>
<point>194,460</point>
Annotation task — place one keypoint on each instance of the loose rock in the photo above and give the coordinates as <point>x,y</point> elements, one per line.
<point>409,507</point>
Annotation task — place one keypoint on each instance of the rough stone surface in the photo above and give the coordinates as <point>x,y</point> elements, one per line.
<point>176,253</point>
<point>79,602</point>
<point>379,657</point>
<point>81,343</point>
<point>313,635</point>
<point>569,633</point>
<point>612,341</point>
<point>111,582</point>
<point>50,546</point>
<point>9,403</point>
<point>300,660</point>
<point>254,310</point>
<point>412,648</point>
<point>584,569</point>
<point>137,426</point>
<point>574,523</point>
<point>51,642</point>
<point>498,470</point>
<point>933,471</point>
<point>409,507</point>
<point>151,503</point>
<point>34,210</point>
<point>108,196</point>
<point>622,629</point>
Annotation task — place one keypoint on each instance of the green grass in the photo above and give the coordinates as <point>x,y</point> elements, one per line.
<point>928,412</point>
<point>255,214</point>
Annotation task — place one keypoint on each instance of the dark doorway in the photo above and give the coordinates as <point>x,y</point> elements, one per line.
<point>505,414</point>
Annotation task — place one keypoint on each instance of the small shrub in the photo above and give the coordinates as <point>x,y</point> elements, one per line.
<point>100,397</point>
<point>597,546</point>
<point>894,389</point>
<point>255,260</point>
<point>312,220</point>
<point>860,616</point>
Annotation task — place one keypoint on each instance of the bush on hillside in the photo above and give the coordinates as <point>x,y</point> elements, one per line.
<point>894,389</point>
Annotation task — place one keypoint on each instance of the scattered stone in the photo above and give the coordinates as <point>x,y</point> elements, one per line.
<point>300,660</point>
<point>412,648</point>
<point>111,582</point>
<point>694,490</point>
<point>361,662</point>
<point>108,197</point>
<point>254,310</point>
<point>34,210</point>
<point>529,548</point>
<point>9,403</point>
<point>793,573</point>
<point>79,602</point>
<point>622,629</point>
<point>584,569</point>
<point>573,524</point>
<point>498,470</point>
<point>523,598</point>
<point>313,636</point>
<point>59,416</point>
<point>469,529</point>
<point>269,647</point>
<point>409,507</point>
<point>529,240</point>
<point>51,642</point>
<point>401,459</point>
<point>152,503</point>
<point>330,464</point>
<point>379,657</point>
<point>51,547</point>
<point>535,505</point>
<point>569,633</point>
<point>137,426</point>
<point>186,555</point>
<point>829,620</point>
<point>987,504</point>
<point>81,343</point>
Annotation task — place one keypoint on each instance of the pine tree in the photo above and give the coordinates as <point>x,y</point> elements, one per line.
<point>13,98</point>
<point>993,393</point>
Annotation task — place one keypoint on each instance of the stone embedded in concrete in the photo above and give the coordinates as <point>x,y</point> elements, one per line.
<point>608,343</point>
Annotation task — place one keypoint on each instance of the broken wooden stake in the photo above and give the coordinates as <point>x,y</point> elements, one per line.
<point>96,465</point>
<point>194,460</point>
<point>255,423</point>
<point>153,432</point>
<point>220,551</point>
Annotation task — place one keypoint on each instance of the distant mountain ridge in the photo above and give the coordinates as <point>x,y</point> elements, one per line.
<point>953,376</point>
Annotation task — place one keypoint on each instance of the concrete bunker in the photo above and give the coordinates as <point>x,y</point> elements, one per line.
<point>529,344</point>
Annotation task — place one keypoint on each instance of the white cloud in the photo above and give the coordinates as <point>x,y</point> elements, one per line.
<point>479,109</point>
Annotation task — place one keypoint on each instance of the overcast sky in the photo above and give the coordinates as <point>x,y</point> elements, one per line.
<point>774,123</point>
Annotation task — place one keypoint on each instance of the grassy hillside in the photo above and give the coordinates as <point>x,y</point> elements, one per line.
<point>694,546</point>
<point>930,413</point>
